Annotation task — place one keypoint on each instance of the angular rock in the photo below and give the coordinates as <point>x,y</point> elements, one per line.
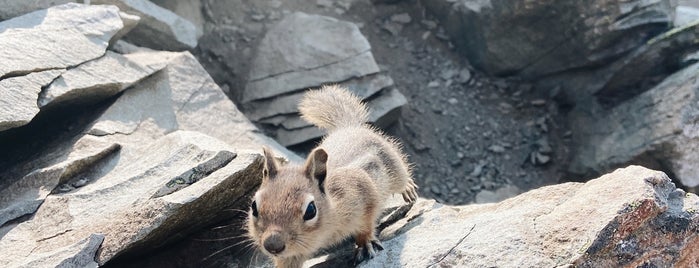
<point>14,8</point>
<point>56,38</point>
<point>659,127</point>
<point>648,65</point>
<point>363,87</point>
<point>79,254</point>
<point>384,109</point>
<point>293,56</point>
<point>136,175</point>
<point>159,28</point>
<point>18,97</point>
<point>629,218</point>
<point>191,10</point>
<point>536,38</point>
<point>99,79</point>
<point>119,203</point>
<point>498,195</point>
<point>27,194</point>
<point>181,97</point>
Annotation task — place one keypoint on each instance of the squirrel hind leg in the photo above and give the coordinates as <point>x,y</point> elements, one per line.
<point>410,192</point>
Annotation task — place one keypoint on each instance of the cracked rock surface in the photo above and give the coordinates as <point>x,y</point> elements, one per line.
<point>606,222</point>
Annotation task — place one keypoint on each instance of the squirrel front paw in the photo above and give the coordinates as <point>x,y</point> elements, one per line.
<point>366,251</point>
<point>410,192</point>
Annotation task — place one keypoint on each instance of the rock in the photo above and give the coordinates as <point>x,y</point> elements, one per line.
<point>496,148</point>
<point>657,128</point>
<point>99,79</point>
<point>631,217</point>
<point>649,64</point>
<point>510,37</point>
<point>181,97</point>
<point>190,10</point>
<point>292,56</point>
<point>498,195</point>
<point>159,28</point>
<point>384,110</point>
<point>464,76</point>
<point>25,196</point>
<point>79,254</point>
<point>18,97</point>
<point>138,175</point>
<point>363,87</point>
<point>402,18</point>
<point>14,8</point>
<point>116,203</point>
<point>685,15</point>
<point>56,38</point>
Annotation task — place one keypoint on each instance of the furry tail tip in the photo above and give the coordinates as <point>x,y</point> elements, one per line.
<point>333,107</point>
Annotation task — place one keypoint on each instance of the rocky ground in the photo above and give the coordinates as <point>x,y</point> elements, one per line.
<point>472,138</point>
<point>130,135</point>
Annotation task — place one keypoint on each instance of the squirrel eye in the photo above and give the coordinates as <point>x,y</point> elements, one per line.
<point>310,211</point>
<point>254,209</point>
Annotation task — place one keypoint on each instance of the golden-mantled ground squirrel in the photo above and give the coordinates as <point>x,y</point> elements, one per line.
<point>338,192</point>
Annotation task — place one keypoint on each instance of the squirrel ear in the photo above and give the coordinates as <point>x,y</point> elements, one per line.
<point>270,168</point>
<point>316,166</point>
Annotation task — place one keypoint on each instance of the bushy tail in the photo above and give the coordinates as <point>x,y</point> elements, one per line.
<point>333,107</point>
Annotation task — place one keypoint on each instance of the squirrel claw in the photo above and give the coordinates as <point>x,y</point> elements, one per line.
<point>410,193</point>
<point>368,251</point>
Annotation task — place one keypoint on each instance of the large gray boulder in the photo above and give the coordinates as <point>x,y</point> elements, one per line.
<point>629,218</point>
<point>537,38</point>
<point>302,52</point>
<point>159,28</point>
<point>658,127</point>
<point>127,201</point>
<point>164,158</point>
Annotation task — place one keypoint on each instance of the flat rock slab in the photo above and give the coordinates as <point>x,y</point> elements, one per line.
<point>384,109</point>
<point>56,38</point>
<point>293,56</point>
<point>363,87</point>
<point>159,28</point>
<point>18,97</point>
<point>118,199</point>
<point>101,78</point>
<point>629,218</point>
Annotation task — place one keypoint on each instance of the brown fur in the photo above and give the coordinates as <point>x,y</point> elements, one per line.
<point>348,176</point>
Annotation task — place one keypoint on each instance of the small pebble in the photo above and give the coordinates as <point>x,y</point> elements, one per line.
<point>402,18</point>
<point>538,102</point>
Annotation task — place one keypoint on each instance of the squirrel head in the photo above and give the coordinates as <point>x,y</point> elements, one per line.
<point>288,211</point>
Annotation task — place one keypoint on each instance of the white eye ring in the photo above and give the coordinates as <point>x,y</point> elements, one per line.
<point>304,208</point>
<point>256,202</point>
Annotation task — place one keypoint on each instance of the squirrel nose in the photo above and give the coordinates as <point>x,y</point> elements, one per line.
<point>274,244</point>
